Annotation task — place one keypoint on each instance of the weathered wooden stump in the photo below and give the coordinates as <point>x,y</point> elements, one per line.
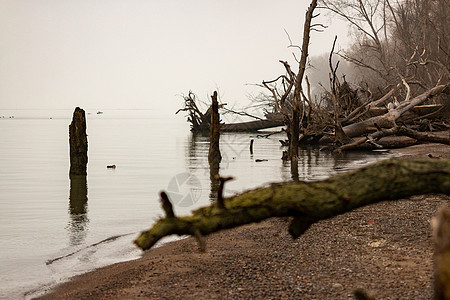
<point>78,143</point>
<point>214,151</point>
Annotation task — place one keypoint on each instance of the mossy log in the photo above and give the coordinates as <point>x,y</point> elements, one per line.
<point>310,202</point>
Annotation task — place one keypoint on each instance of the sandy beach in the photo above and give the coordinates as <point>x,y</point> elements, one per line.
<point>385,249</point>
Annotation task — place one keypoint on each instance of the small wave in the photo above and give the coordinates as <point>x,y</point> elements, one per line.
<point>107,240</point>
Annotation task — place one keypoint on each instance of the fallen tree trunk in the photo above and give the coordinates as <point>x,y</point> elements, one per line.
<point>368,107</point>
<point>419,110</point>
<point>406,137</point>
<point>310,202</point>
<point>387,142</point>
<point>425,136</point>
<point>250,126</point>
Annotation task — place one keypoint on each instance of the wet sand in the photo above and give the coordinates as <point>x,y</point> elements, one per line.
<point>384,248</point>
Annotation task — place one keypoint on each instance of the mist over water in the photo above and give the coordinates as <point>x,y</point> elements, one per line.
<point>53,228</point>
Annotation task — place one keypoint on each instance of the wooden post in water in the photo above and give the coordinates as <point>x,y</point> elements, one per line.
<point>78,143</point>
<point>214,151</point>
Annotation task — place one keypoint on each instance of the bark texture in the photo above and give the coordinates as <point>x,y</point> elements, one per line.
<point>78,143</point>
<point>295,126</point>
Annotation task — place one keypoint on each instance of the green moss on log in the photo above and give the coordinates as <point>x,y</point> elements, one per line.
<point>311,202</point>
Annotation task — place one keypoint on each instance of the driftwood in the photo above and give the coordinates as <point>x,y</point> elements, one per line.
<point>310,202</point>
<point>201,122</point>
<point>388,120</point>
<point>401,131</point>
<point>387,142</point>
<point>368,107</point>
<point>373,129</point>
<point>78,143</point>
<point>418,111</point>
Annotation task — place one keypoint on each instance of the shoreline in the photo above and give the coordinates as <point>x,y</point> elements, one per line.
<point>384,248</point>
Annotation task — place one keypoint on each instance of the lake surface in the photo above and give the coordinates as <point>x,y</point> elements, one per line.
<point>52,228</point>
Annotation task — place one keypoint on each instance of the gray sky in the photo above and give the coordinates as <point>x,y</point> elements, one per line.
<point>102,54</point>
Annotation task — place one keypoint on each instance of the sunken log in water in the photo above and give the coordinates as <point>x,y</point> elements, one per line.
<point>310,202</point>
<point>214,150</point>
<point>78,143</point>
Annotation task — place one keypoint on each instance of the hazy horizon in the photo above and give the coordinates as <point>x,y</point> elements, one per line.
<point>58,54</point>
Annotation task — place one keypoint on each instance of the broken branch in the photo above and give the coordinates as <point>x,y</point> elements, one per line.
<point>311,202</point>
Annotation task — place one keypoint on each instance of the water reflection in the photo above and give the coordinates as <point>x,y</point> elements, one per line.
<point>197,152</point>
<point>310,158</point>
<point>214,167</point>
<point>79,220</point>
<point>294,169</point>
<point>314,164</point>
<point>197,159</point>
<point>237,161</point>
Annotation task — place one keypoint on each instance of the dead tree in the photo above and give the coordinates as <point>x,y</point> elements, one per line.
<point>295,122</point>
<point>199,121</point>
<point>78,143</point>
<point>293,82</point>
<point>214,150</point>
<point>397,40</point>
<point>397,43</point>
<point>339,135</point>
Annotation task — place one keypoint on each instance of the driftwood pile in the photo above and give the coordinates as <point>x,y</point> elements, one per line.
<point>360,123</point>
<point>406,122</point>
<point>407,109</point>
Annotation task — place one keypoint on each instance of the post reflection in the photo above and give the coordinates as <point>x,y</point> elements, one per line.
<point>79,220</point>
<point>294,169</point>
<point>196,151</point>
<point>197,148</point>
<point>214,167</point>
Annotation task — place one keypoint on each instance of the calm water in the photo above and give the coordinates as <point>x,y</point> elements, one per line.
<point>52,228</point>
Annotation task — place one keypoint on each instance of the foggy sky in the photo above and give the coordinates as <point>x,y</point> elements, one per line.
<point>104,54</point>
